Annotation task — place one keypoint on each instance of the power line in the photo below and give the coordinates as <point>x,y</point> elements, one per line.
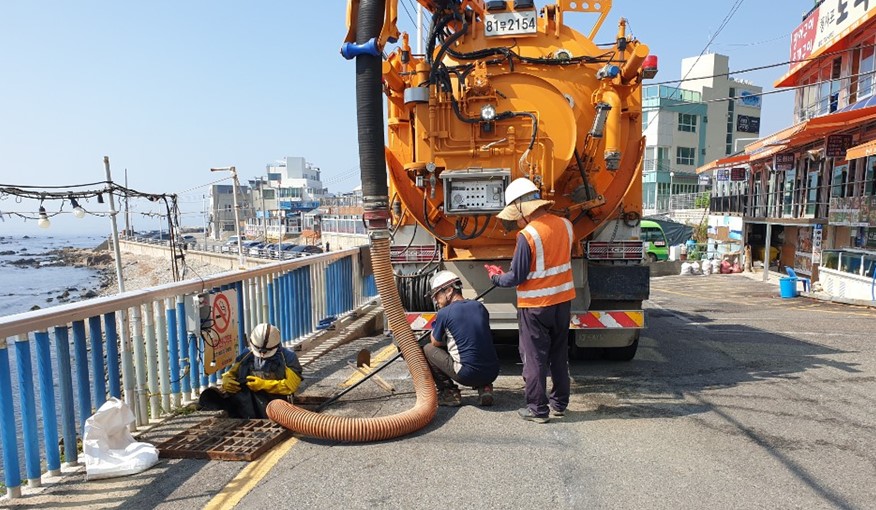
<point>724,23</point>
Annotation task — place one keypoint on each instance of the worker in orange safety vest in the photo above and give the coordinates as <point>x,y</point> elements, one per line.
<point>541,269</point>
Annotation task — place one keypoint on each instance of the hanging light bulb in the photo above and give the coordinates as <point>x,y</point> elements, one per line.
<point>78,211</point>
<point>43,222</point>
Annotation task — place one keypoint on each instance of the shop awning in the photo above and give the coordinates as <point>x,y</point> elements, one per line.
<point>780,138</point>
<point>730,161</point>
<point>862,150</point>
<point>810,130</point>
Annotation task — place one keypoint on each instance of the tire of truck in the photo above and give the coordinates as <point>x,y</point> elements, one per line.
<point>652,258</point>
<point>622,353</point>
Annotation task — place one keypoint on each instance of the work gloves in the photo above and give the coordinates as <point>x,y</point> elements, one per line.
<point>493,271</point>
<point>229,381</point>
<point>285,386</point>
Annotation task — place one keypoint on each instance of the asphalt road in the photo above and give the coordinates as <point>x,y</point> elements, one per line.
<point>736,399</point>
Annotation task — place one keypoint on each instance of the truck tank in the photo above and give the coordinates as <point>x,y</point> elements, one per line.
<point>507,89</point>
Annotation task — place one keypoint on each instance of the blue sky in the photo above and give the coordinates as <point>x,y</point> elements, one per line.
<point>168,89</point>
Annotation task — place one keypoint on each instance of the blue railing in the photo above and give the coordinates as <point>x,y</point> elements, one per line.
<point>138,346</point>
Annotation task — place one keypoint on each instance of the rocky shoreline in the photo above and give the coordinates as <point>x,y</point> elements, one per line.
<point>138,271</point>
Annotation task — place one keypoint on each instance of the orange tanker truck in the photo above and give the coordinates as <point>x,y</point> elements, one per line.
<point>507,89</point>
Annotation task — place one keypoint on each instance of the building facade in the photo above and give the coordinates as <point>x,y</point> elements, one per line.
<point>807,194</point>
<point>291,186</point>
<point>221,218</point>
<point>685,126</point>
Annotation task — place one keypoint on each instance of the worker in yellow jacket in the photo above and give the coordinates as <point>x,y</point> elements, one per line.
<point>267,371</point>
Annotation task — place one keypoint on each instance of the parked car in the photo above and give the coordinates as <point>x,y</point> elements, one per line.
<point>305,249</point>
<point>231,244</point>
<point>282,251</point>
<point>253,248</point>
<point>189,241</point>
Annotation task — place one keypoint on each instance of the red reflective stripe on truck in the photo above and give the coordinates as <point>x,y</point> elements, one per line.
<point>613,319</point>
<point>421,321</point>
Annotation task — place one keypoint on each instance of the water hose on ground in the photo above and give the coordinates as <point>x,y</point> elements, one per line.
<point>369,98</point>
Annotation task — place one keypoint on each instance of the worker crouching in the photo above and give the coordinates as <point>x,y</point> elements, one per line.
<point>461,345</point>
<point>267,371</point>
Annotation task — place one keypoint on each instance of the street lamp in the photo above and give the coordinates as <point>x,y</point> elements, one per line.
<point>235,185</point>
<point>671,175</point>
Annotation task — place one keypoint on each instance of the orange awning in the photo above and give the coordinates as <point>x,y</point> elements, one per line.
<point>810,130</point>
<point>861,150</point>
<point>768,152</point>
<point>730,161</point>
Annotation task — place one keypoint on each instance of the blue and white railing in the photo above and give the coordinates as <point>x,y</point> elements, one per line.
<point>136,346</point>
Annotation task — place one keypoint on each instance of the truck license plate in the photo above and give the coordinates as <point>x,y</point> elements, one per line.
<point>510,23</point>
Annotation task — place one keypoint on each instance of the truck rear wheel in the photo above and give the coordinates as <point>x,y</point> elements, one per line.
<point>623,353</point>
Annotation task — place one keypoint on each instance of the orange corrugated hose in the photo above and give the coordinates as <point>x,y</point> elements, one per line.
<point>339,428</point>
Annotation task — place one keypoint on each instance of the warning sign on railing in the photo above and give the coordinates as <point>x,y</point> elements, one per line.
<point>219,333</point>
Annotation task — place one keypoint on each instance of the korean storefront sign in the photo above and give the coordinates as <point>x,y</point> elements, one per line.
<point>837,145</point>
<point>827,23</point>
<point>853,211</point>
<point>784,161</point>
<point>817,238</point>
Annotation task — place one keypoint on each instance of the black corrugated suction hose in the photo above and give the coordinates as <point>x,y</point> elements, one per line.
<point>369,99</point>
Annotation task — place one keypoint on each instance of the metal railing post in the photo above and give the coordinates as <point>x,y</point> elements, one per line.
<point>163,363</point>
<point>65,383</point>
<point>11,469</point>
<point>112,355</point>
<point>47,402</point>
<point>99,374</point>
<point>151,361</point>
<point>83,388</point>
<point>179,378</point>
<point>27,404</point>
<point>140,410</point>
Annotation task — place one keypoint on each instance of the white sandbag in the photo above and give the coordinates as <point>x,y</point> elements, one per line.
<point>716,266</point>
<point>706,268</point>
<point>685,268</point>
<point>109,448</point>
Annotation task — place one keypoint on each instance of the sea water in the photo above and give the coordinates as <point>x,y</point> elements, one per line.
<point>22,287</point>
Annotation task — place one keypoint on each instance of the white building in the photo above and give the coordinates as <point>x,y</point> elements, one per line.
<point>292,186</point>
<point>709,116</point>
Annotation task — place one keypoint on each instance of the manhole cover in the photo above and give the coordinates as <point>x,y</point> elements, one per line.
<point>224,439</point>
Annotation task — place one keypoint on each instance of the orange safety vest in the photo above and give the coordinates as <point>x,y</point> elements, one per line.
<point>550,273</point>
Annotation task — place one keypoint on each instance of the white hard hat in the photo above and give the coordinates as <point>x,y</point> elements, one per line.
<point>519,188</point>
<point>526,192</point>
<point>442,280</point>
<point>264,340</point>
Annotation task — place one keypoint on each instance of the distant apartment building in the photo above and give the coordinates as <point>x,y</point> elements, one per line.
<point>706,117</point>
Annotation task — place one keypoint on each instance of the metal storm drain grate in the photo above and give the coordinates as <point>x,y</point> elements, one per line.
<point>224,439</point>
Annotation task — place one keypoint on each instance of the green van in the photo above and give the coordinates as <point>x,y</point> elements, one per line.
<point>656,247</point>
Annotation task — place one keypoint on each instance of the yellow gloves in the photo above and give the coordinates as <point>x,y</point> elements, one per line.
<point>285,386</point>
<point>229,381</point>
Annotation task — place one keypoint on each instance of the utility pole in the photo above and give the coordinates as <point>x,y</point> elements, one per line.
<point>126,355</point>
<point>127,209</point>
<point>235,186</point>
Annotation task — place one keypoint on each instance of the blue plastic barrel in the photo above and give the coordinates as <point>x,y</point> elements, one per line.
<point>788,287</point>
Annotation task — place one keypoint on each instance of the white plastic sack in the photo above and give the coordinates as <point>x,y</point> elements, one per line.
<point>686,268</point>
<point>109,448</point>
<point>706,267</point>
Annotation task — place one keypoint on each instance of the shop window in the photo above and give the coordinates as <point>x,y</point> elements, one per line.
<point>812,192</point>
<point>865,70</point>
<point>870,177</point>
<point>788,193</point>
<point>837,183</point>
<point>685,155</point>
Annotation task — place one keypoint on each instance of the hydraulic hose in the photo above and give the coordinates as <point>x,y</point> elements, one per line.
<point>375,193</point>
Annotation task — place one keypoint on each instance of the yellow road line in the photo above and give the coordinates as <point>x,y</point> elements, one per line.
<point>252,474</point>
<point>381,356</point>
